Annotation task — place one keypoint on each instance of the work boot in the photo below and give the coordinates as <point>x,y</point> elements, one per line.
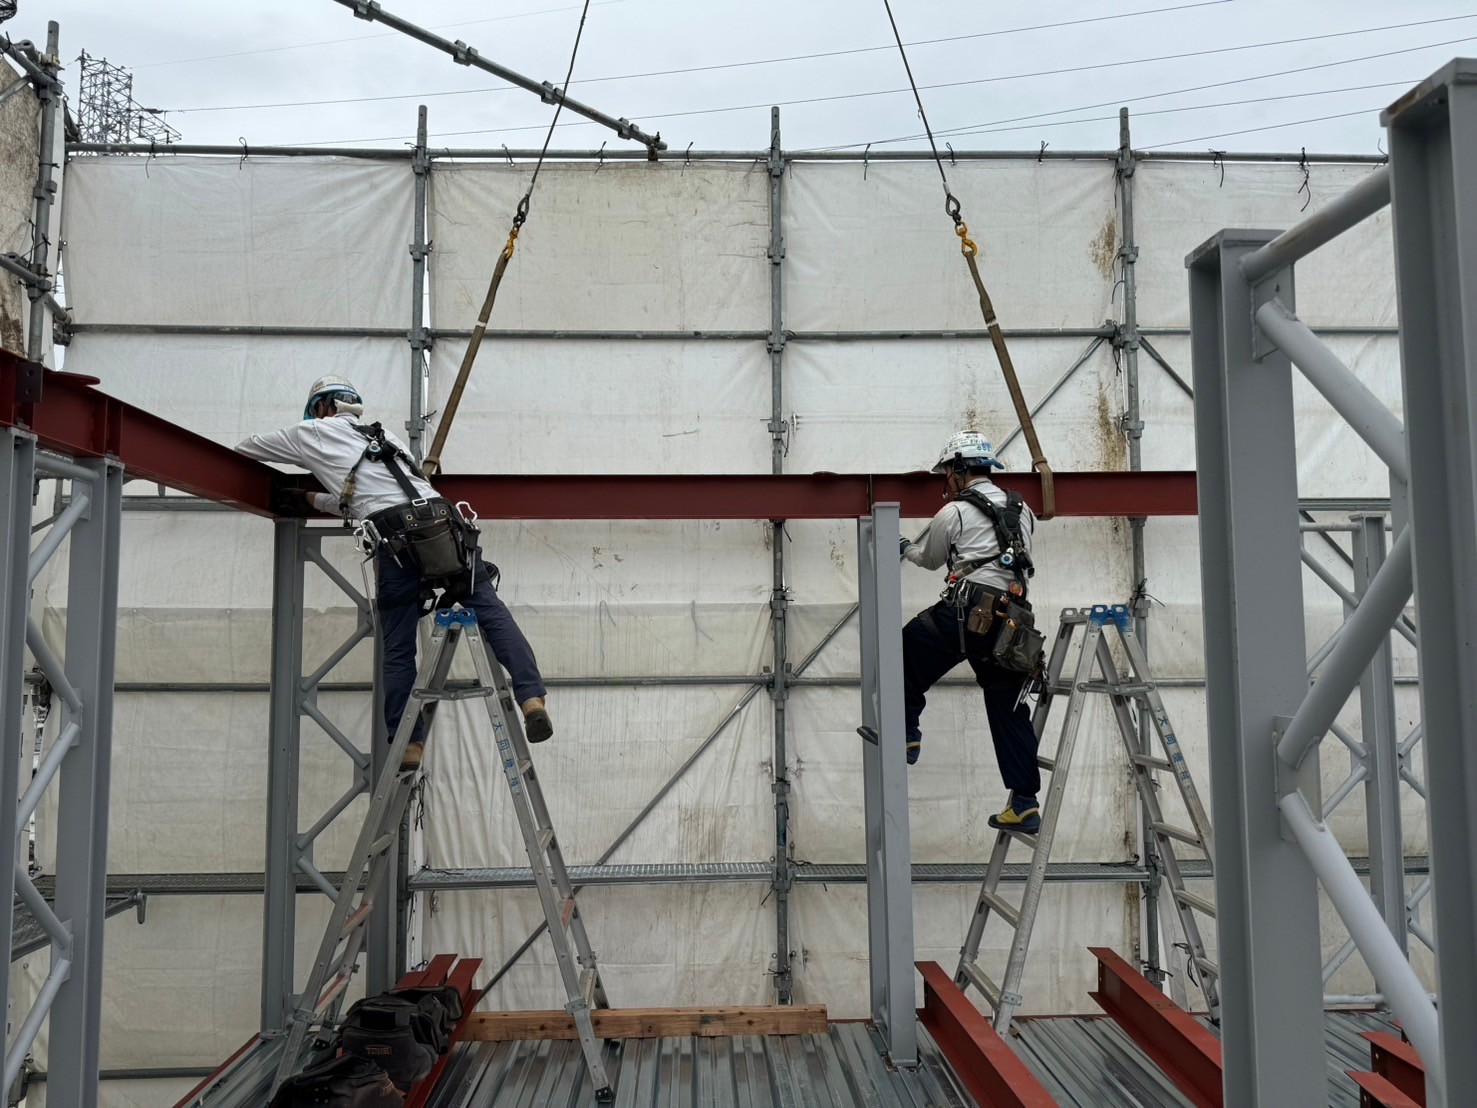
<point>536,722</point>
<point>1022,814</point>
<point>410,761</point>
<point>915,748</point>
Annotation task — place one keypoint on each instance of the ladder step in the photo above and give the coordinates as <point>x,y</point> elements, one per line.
<point>525,765</point>
<point>1048,764</point>
<point>1199,903</point>
<point>587,985</point>
<point>566,911</point>
<point>1152,763</point>
<point>981,981</point>
<point>1021,837</point>
<point>1059,687</point>
<point>545,837</point>
<point>1206,966</point>
<point>382,844</point>
<point>1168,830</point>
<point>1001,907</point>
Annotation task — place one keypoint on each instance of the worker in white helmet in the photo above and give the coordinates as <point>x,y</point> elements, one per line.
<point>424,546</point>
<point>983,535</point>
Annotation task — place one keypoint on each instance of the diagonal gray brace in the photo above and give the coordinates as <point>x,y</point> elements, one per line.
<point>463,54</point>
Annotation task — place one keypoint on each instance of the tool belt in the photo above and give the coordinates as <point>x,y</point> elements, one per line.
<point>1001,626</point>
<point>431,537</point>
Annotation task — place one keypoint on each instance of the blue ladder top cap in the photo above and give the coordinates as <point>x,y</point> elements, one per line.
<point>444,619</point>
<point>1112,613</point>
<point>464,617</point>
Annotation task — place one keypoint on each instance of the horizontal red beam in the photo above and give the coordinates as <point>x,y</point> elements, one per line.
<point>798,496</point>
<point>1179,1044</point>
<point>444,969</point>
<point>1398,1063</point>
<point>989,1068</point>
<point>1377,1092</point>
<point>77,420</point>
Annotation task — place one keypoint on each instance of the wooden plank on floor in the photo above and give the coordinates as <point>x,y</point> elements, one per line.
<point>651,1023</point>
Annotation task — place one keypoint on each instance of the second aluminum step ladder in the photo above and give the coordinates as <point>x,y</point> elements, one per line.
<point>366,876</point>
<point>1125,691</point>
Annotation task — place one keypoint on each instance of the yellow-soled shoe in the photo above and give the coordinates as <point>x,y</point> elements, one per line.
<point>1027,820</point>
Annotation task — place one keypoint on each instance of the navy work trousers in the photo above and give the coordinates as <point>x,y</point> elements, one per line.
<point>400,612</point>
<point>931,648</point>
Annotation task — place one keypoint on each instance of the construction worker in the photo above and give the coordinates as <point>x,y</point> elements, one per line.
<point>983,536</point>
<point>370,477</point>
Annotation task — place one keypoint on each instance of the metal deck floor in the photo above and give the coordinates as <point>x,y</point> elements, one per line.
<point>840,1068</point>
<point>1088,1061</point>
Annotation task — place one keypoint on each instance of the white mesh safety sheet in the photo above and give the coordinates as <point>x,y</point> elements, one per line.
<point>668,248</point>
<point>286,242</point>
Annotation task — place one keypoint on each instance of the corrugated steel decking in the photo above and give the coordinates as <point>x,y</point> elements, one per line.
<point>840,1068</point>
<point>1088,1062</point>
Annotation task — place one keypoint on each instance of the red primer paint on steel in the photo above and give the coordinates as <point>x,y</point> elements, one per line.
<point>795,496</point>
<point>1377,1092</point>
<point>1179,1044</point>
<point>219,1073</point>
<point>1397,1062</point>
<point>984,1061</point>
<point>443,970</point>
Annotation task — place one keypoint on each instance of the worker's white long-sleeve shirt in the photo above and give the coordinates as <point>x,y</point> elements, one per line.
<point>329,449</point>
<point>960,533</point>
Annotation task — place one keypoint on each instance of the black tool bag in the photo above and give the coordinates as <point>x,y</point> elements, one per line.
<point>1018,646</point>
<point>442,1003</point>
<point>395,1034</point>
<point>345,1082</point>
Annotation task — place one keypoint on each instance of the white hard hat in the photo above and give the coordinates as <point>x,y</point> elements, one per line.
<point>969,449</point>
<point>339,388</point>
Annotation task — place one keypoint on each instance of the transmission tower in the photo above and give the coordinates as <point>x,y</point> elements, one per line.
<point>107,111</point>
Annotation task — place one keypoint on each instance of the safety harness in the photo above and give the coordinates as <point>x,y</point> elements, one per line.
<point>430,533</point>
<point>1009,537</point>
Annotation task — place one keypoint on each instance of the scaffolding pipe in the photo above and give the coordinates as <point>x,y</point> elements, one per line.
<point>1382,954</point>
<point>1324,225</point>
<point>1367,626</point>
<point>463,54</point>
<point>420,338</point>
<point>49,93</point>
<point>1370,419</point>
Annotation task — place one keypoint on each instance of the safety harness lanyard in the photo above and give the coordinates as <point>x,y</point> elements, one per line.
<point>997,337</point>
<point>432,464</point>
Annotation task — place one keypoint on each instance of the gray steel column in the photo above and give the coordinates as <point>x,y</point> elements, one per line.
<point>1255,656</point>
<point>17,483</point>
<point>1433,162</point>
<point>1127,340</point>
<point>384,944</point>
<point>420,337</point>
<point>779,598</point>
<point>280,907</point>
<point>49,93</point>
<point>82,800</point>
<point>885,778</point>
<point>1377,716</point>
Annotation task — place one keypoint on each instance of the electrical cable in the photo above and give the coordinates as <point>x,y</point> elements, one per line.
<point>1268,127</point>
<point>699,68</point>
<point>966,128</point>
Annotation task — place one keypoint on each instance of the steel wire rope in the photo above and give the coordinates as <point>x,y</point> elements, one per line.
<point>966,128</point>
<point>997,336</point>
<point>520,216</point>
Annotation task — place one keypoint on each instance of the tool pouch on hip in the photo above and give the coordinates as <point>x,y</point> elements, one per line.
<point>435,539</point>
<point>1018,646</point>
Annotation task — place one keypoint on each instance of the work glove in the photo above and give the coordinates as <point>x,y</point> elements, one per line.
<point>903,543</point>
<point>287,500</point>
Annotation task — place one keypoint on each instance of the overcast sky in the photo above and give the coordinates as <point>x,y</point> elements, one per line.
<point>206,61</point>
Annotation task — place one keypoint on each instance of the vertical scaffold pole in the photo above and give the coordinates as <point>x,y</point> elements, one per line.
<point>1127,340</point>
<point>1433,163</point>
<point>1251,579</point>
<point>44,194</point>
<point>73,1059</point>
<point>279,935</point>
<point>885,780</point>
<point>420,336</point>
<point>783,879</point>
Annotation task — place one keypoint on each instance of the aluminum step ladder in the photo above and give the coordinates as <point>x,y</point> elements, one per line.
<point>365,879</point>
<point>1126,692</point>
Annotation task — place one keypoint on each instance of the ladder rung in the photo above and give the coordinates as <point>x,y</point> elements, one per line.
<point>1170,831</point>
<point>979,979</point>
<point>587,985</point>
<point>382,844</point>
<point>1206,966</point>
<point>566,911</point>
<point>525,765</point>
<point>1048,764</point>
<point>1059,687</point>
<point>1001,907</point>
<point>545,837</point>
<point>1199,903</point>
<point>1021,837</point>
<point>1149,762</point>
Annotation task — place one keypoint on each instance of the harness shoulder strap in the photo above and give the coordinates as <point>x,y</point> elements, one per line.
<point>1008,533</point>
<point>378,449</point>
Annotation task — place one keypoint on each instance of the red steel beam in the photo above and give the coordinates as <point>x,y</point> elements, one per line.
<point>989,1068</point>
<point>78,420</point>
<point>1398,1063</point>
<point>1376,1092</point>
<point>796,495</point>
<point>460,978</point>
<point>1179,1044</point>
